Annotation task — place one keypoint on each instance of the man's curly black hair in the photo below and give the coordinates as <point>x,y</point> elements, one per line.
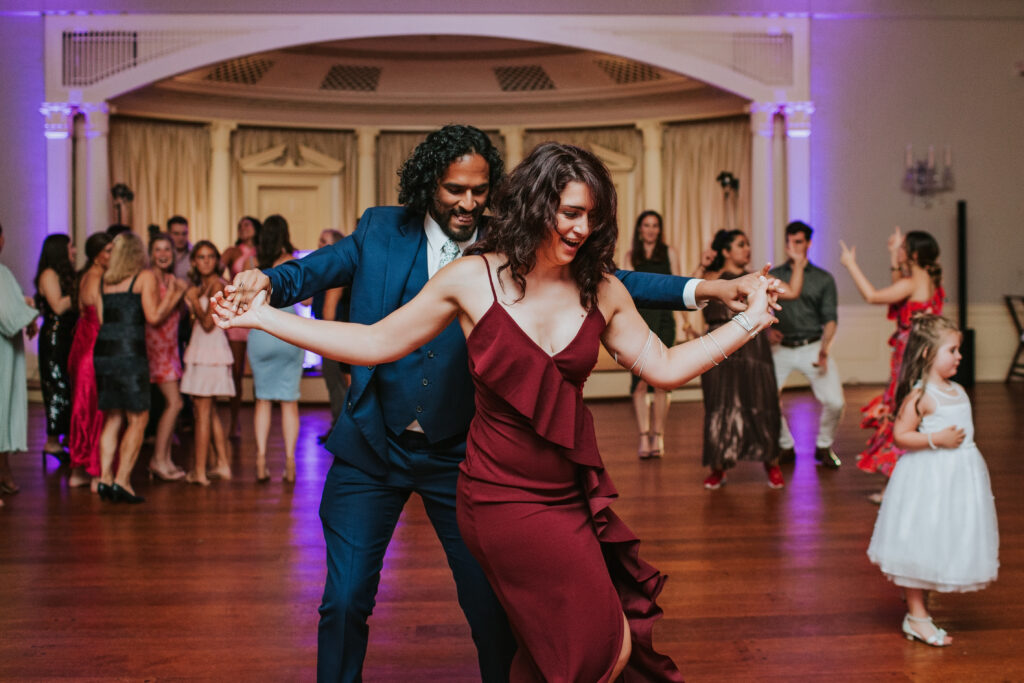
<point>421,172</point>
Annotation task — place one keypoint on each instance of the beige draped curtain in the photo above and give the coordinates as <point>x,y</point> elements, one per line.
<point>392,151</point>
<point>694,154</point>
<point>167,166</point>
<point>340,145</point>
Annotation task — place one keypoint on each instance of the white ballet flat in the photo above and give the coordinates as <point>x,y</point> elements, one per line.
<point>937,639</point>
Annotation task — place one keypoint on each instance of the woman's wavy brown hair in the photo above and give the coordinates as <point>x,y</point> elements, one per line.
<point>660,252</point>
<point>525,208</point>
<point>923,250</point>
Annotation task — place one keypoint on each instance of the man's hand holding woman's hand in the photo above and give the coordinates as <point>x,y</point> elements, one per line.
<point>235,305</point>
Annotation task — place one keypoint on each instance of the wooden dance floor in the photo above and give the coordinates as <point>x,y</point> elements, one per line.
<point>223,583</point>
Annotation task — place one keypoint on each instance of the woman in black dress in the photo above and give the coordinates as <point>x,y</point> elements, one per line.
<point>57,302</point>
<point>741,398</point>
<point>650,254</point>
<point>130,298</point>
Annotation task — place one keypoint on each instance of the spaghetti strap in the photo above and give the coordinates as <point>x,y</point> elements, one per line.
<point>489,278</point>
<point>132,283</point>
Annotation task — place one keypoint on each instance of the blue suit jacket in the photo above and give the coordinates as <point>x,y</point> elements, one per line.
<point>376,261</point>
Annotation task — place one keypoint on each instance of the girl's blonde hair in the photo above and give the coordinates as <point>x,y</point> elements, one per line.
<point>127,258</point>
<point>926,330</point>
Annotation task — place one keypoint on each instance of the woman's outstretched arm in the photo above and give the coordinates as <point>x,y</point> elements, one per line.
<point>894,293</point>
<point>630,341</point>
<point>397,335</point>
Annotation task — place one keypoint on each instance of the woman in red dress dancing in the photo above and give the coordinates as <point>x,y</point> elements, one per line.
<point>533,495</point>
<point>916,287</point>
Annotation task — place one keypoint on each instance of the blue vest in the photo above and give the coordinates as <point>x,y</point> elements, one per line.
<point>432,384</point>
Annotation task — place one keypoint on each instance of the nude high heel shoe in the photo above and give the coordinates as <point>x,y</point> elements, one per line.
<point>289,471</point>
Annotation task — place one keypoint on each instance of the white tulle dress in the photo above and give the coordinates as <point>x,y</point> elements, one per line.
<point>937,528</point>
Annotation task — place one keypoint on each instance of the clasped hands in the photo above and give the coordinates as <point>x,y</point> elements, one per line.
<point>240,303</point>
<point>736,292</point>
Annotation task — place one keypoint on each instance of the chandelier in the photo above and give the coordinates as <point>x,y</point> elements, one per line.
<point>923,178</point>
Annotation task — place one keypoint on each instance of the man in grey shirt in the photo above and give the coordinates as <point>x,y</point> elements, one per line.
<point>806,329</point>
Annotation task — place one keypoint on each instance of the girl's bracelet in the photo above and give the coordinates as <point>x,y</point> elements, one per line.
<point>930,443</point>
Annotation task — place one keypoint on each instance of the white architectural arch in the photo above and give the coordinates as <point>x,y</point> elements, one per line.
<point>91,59</point>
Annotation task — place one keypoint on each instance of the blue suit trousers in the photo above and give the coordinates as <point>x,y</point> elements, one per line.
<point>359,513</point>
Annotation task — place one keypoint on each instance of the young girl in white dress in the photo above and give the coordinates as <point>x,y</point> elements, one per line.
<point>936,529</point>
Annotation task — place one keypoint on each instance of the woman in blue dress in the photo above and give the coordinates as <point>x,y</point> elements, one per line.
<point>276,365</point>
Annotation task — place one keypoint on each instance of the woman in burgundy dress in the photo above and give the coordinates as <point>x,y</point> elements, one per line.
<point>86,418</point>
<point>533,496</point>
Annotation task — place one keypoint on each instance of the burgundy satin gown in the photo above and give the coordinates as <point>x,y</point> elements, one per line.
<point>533,507</point>
<point>86,418</point>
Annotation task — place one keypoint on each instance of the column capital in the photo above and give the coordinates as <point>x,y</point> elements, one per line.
<point>798,118</point>
<point>652,131</point>
<point>97,118</point>
<point>220,134</point>
<point>366,140</point>
<point>58,119</point>
<point>762,115</point>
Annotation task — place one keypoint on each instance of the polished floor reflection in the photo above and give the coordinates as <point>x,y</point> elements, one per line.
<point>223,583</point>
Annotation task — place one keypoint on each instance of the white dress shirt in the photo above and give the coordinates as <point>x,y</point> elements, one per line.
<point>435,240</point>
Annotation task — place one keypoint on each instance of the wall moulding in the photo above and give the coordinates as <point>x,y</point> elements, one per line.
<point>99,57</point>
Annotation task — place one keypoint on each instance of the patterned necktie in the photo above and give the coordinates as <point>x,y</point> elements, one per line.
<point>449,252</point>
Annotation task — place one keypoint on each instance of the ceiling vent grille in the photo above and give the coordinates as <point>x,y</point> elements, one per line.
<point>626,71</point>
<point>352,77</point>
<point>523,78</point>
<point>244,71</point>
<point>91,56</point>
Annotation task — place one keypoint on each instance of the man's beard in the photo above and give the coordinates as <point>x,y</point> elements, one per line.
<point>459,233</point>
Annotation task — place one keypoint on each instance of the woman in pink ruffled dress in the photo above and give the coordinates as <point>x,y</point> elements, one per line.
<point>207,367</point>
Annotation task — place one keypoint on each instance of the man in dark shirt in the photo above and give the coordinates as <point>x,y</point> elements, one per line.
<point>807,326</point>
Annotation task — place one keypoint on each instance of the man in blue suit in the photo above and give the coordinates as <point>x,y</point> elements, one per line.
<point>403,428</point>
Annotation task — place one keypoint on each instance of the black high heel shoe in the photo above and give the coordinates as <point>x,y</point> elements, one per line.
<point>121,495</point>
<point>62,456</point>
<point>104,492</point>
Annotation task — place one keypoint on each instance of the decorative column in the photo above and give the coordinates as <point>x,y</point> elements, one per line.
<point>220,225</point>
<point>653,169</point>
<point>80,221</point>
<point>762,228</point>
<point>97,165</point>
<point>366,178</point>
<point>59,117</point>
<point>780,204</point>
<point>513,146</point>
<point>798,158</point>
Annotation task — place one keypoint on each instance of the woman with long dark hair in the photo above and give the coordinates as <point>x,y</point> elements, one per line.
<point>915,287</point>
<point>86,418</point>
<point>56,299</point>
<point>535,300</point>
<point>276,365</point>
<point>650,254</point>
<point>741,398</point>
